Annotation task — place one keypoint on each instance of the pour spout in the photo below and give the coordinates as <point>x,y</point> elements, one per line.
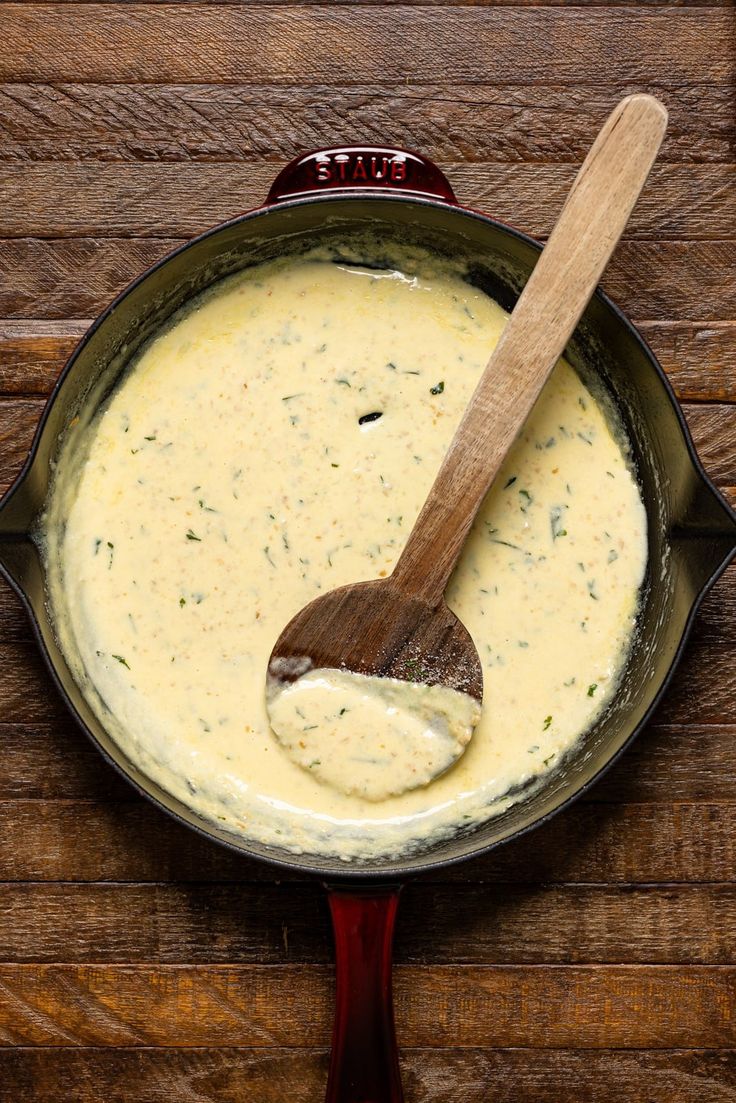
<point>708,526</point>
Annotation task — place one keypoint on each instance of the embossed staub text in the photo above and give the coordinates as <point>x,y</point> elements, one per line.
<point>356,168</point>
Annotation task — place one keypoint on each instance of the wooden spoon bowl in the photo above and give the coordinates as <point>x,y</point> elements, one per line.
<point>374,628</point>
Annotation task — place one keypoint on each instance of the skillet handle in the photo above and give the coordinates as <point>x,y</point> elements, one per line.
<point>372,169</point>
<point>364,1064</point>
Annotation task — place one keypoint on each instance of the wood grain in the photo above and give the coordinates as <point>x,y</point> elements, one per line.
<point>236,1074</point>
<point>169,200</point>
<point>700,359</point>
<point>599,951</point>
<point>52,760</point>
<point>452,122</point>
<point>78,277</point>
<point>596,1007</point>
<point>593,842</point>
<point>106,43</point>
<point>437,3</point>
<point>286,924</point>
<point>704,691</point>
<point>713,427</point>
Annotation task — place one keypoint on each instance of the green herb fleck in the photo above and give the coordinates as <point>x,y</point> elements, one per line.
<point>182,602</point>
<point>555,521</point>
<point>527,500</point>
<point>193,536</point>
<point>121,660</point>
<point>438,388</point>
<point>547,722</point>
<point>508,544</point>
<point>267,553</point>
<point>592,688</point>
<point>344,382</point>
<point>510,482</point>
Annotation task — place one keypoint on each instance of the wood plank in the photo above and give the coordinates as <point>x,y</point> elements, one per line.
<point>238,1075</point>
<point>45,756</point>
<point>33,353</point>
<point>679,202</point>
<point>683,759</point>
<point>18,420</point>
<point>287,924</point>
<point>679,758</point>
<point>597,1007</point>
<point>78,277</point>
<point>52,760</point>
<point>700,359</point>
<point>55,761</point>
<point>704,691</point>
<point>713,427</point>
<point>332,45</point>
<point>588,843</point>
<point>452,122</point>
<point>435,3</point>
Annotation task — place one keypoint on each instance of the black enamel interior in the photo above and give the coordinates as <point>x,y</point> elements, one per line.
<point>692,533</point>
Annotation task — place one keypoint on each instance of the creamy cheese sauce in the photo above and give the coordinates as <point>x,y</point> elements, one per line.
<point>277,441</point>
<point>371,736</point>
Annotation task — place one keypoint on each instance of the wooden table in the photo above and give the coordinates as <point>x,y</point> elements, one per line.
<point>595,960</point>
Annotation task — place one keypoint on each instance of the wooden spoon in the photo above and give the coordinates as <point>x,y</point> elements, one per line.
<point>401,627</point>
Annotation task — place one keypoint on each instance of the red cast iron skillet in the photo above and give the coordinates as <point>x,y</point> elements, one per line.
<point>334,197</point>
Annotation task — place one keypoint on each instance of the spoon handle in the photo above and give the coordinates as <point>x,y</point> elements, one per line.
<point>565,276</point>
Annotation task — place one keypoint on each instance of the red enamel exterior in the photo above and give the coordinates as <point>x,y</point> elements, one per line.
<point>364,1066</point>
<point>369,168</point>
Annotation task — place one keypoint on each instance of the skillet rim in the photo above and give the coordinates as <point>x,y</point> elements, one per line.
<point>334,870</point>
